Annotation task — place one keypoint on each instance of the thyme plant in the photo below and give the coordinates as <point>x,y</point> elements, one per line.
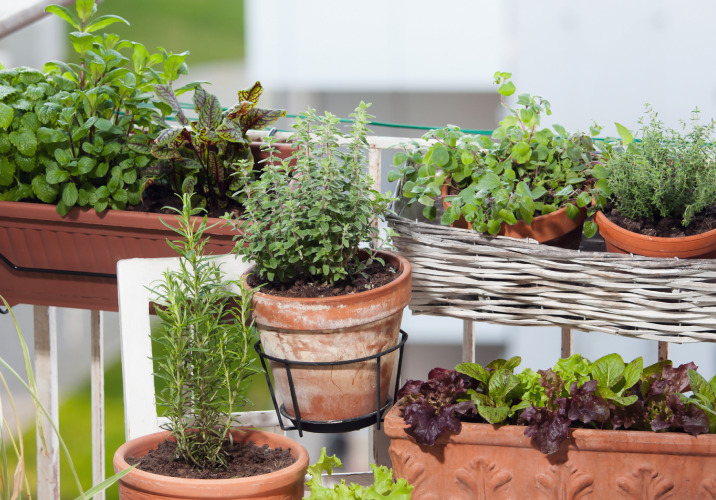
<point>306,216</point>
<point>205,341</point>
<point>669,173</point>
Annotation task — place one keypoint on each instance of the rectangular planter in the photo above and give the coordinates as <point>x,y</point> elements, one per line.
<point>50,250</point>
<point>71,261</point>
<point>492,462</point>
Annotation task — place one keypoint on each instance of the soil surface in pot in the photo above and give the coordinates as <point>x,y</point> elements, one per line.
<point>666,227</point>
<point>244,461</point>
<point>374,276</point>
<point>156,197</point>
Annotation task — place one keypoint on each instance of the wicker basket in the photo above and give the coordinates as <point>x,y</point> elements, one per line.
<point>463,274</point>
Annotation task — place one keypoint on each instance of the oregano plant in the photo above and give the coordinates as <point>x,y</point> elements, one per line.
<point>521,171</point>
<point>307,215</point>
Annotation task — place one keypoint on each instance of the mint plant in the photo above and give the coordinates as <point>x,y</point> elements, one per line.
<point>669,173</point>
<point>522,171</point>
<point>383,484</point>
<point>203,155</point>
<point>606,394</point>
<point>79,133</point>
<point>306,216</point>
<point>206,338</point>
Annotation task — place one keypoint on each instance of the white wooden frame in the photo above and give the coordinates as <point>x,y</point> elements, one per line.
<point>134,276</point>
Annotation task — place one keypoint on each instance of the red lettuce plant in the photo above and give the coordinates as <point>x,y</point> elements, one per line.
<point>606,394</point>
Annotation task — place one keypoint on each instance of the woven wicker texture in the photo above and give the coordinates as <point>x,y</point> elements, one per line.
<point>467,275</point>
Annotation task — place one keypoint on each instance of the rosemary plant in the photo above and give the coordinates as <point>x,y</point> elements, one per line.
<point>205,339</point>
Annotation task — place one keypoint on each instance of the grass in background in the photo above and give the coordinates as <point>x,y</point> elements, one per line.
<point>211,30</point>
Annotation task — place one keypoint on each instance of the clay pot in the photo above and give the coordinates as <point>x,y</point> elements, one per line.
<point>34,235</point>
<point>553,229</point>
<point>499,462</point>
<point>334,329</point>
<point>283,484</point>
<point>620,240</point>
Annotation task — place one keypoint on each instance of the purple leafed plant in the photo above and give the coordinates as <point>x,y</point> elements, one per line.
<point>606,394</point>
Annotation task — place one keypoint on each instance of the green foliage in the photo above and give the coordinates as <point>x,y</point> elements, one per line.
<point>306,216</point>
<point>206,346</point>
<point>522,171</point>
<point>703,396</point>
<point>382,487</point>
<point>79,133</point>
<point>669,173</point>
<point>203,155</point>
<point>13,481</point>
<point>498,393</point>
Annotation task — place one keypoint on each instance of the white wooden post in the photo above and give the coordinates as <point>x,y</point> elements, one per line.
<point>97,382</point>
<point>48,457</point>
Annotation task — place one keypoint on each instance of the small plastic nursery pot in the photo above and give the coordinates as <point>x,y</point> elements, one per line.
<point>280,485</point>
<point>554,229</point>
<point>332,329</point>
<point>620,240</point>
<point>486,461</point>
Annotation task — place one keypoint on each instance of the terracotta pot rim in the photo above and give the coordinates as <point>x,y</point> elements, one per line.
<point>404,266</point>
<point>583,439</point>
<point>602,220</point>
<point>298,451</point>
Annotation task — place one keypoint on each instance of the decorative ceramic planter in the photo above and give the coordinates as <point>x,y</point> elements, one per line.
<point>554,229</point>
<point>284,484</point>
<point>334,329</point>
<point>491,462</point>
<point>619,240</point>
<point>34,237</point>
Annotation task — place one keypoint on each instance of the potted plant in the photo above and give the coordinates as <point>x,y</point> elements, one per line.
<point>603,428</point>
<point>76,140</point>
<point>523,181</point>
<point>323,297</point>
<point>206,361</point>
<point>662,191</point>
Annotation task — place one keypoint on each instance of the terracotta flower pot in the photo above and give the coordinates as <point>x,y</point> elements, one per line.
<point>619,240</point>
<point>334,329</point>
<point>554,229</point>
<point>35,236</point>
<point>283,484</point>
<point>485,461</point>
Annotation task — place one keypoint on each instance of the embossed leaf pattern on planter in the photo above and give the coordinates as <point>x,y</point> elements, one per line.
<point>708,488</point>
<point>406,465</point>
<point>645,483</point>
<point>484,481</point>
<point>564,482</point>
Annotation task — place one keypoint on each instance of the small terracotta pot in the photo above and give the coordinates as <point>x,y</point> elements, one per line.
<point>499,462</point>
<point>334,329</point>
<point>620,240</point>
<point>34,235</point>
<point>554,229</point>
<point>283,484</point>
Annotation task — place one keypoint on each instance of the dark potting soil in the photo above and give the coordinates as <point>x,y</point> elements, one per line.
<point>666,227</point>
<point>244,461</point>
<point>374,276</point>
<point>157,197</point>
